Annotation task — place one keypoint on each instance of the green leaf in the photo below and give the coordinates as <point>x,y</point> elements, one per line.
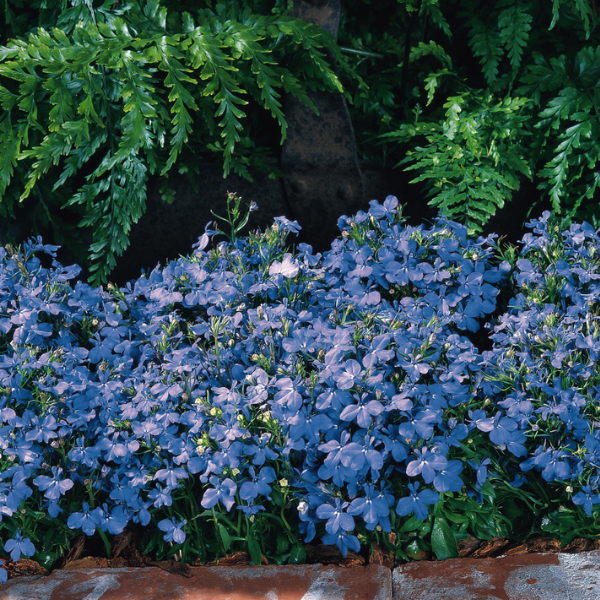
<point>297,555</point>
<point>411,524</point>
<point>283,544</point>
<point>415,551</point>
<point>486,44</point>
<point>456,518</point>
<point>224,535</point>
<point>443,542</point>
<point>515,24</point>
<point>584,9</point>
<point>431,49</point>
<point>254,548</point>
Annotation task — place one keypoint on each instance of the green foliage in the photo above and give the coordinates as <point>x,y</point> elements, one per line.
<point>101,98</point>
<point>479,97</point>
<point>472,98</point>
<point>473,159</point>
<point>568,128</point>
<point>236,218</point>
<point>443,542</point>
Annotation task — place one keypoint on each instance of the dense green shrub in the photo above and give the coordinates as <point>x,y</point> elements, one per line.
<point>475,98</point>
<point>100,97</point>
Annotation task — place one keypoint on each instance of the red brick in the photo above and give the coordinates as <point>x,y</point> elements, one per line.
<point>524,577</point>
<point>310,582</point>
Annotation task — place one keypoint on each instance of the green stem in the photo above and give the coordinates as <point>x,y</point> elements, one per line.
<point>287,525</point>
<point>362,52</point>
<point>105,540</point>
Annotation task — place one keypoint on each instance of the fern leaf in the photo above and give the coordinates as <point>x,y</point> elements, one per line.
<point>169,57</point>
<point>557,171</point>
<point>584,9</point>
<point>205,52</point>
<point>9,151</point>
<point>486,44</point>
<point>115,200</point>
<point>431,49</point>
<point>514,23</point>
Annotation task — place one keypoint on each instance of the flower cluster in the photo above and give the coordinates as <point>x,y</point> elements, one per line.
<point>542,372</point>
<point>250,395</point>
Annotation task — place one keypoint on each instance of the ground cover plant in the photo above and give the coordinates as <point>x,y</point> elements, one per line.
<point>408,388</point>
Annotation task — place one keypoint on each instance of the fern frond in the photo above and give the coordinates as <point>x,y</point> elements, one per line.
<point>110,96</point>
<point>205,52</point>
<point>514,23</point>
<point>584,9</point>
<point>9,151</point>
<point>472,159</point>
<point>431,48</point>
<point>556,172</point>
<point>114,201</point>
<point>487,46</point>
<point>246,43</point>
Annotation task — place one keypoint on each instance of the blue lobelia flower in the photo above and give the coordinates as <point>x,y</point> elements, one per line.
<point>222,491</point>
<point>337,519</point>
<point>586,498</point>
<point>19,545</point>
<point>173,530</point>
<point>343,541</point>
<point>428,464</point>
<point>447,479</point>
<point>87,520</point>
<point>258,485</point>
<point>374,507</point>
<point>53,487</point>
<point>416,502</point>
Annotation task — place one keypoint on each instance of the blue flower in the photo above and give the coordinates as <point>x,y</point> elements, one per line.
<point>586,498</point>
<point>116,519</point>
<point>287,267</point>
<point>222,491</point>
<point>506,433</point>
<point>480,470</point>
<point>258,485</point>
<point>17,491</point>
<point>416,502</point>
<point>173,530</point>
<point>343,541</point>
<point>19,546</point>
<point>337,519</point>
<point>170,475</point>
<point>362,412</point>
<point>161,496</point>
<point>387,210</point>
<point>53,487</point>
<point>374,507</point>
<point>351,374</point>
<point>87,520</point>
<point>428,464</point>
<point>447,479</point>
<point>285,224</point>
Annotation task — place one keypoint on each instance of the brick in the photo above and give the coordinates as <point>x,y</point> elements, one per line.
<point>525,577</point>
<point>305,582</point>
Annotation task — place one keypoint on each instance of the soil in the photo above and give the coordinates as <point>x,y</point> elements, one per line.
<point>125,553</point>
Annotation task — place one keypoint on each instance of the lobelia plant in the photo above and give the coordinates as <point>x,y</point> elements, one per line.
<point>253,397</point>
<point>542,371</point>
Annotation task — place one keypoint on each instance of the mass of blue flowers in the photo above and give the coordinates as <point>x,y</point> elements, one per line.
<point>254,396</point>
